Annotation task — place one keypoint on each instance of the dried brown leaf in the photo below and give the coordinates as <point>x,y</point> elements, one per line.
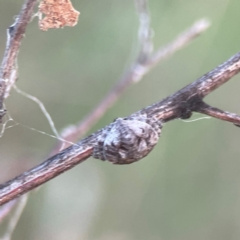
<point>58,13</point>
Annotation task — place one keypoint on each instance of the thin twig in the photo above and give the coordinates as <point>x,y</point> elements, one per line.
<point>8,68</point>
<point>179,105</point>
<point>15,34</point>
<point>15,218</point>
<point>181,41</point>
<point>6,209</point>
<point>218,113</point>
<point>144,31</point>
<point>134,74</point>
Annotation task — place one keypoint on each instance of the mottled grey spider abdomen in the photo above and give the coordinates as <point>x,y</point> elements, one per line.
<point>127,140</point>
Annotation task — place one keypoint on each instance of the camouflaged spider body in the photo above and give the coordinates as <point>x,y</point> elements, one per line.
<point>127,140</point>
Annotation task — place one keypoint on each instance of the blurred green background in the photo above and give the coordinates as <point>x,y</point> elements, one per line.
<point>188,187</point>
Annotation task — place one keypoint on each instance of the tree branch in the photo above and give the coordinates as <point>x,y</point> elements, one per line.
<point>105,141</point>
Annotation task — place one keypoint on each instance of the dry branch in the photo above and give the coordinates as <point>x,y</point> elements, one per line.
<point>179,105</point>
